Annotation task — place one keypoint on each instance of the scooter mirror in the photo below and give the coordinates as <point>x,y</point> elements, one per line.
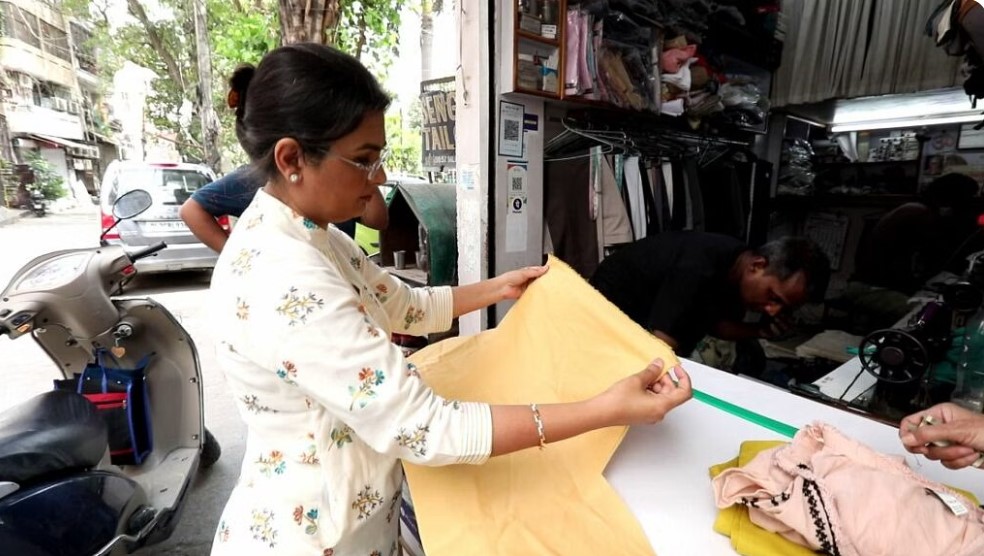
<point>131,204</point>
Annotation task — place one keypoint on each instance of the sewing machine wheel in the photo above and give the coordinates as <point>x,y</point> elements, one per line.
<point>894,356</point>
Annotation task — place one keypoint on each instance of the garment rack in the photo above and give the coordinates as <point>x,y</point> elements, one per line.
<point>635,139</point>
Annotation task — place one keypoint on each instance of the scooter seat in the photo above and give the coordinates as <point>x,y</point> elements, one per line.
<point>54,431</point>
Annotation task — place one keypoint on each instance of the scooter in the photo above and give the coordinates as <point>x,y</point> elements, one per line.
<point>39,205</point>
<point>61,493</point>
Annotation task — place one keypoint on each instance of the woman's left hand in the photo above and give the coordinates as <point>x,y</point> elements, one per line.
<point>512,284</point>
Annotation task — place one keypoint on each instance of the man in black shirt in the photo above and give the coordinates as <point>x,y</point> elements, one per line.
<point>682,286</point>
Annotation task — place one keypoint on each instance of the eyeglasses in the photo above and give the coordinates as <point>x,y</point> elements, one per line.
<point>371,168</point>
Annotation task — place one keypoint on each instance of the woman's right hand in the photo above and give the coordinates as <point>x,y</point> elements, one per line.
<point>646,397</point>
<point>961,428</point>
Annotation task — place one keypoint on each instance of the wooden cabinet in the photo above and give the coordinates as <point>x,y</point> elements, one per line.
<point>537,53</point>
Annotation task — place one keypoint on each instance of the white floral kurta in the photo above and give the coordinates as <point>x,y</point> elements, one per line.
<point>303,321</point>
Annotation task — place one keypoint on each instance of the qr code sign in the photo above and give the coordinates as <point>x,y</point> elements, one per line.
<point>511,130</point>
<point>517,184</point>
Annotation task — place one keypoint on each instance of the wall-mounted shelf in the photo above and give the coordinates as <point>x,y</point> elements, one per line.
<point>537,38</point>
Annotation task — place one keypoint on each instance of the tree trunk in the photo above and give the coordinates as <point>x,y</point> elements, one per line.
<point>426,39</point>
<point>137,10</point>
<point>308,20</point>
<point>210,122</point>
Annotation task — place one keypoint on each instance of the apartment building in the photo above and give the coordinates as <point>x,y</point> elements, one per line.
<point>52,101</point>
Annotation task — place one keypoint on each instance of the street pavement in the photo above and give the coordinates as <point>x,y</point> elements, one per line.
<point>27,371</point>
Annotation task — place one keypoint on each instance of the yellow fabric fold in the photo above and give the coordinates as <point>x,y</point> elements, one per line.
<point>561,342</point>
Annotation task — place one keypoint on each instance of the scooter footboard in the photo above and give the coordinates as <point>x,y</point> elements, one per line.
<point>68,516</point>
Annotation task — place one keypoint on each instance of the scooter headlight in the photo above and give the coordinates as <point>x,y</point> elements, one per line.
<point>53,273</point>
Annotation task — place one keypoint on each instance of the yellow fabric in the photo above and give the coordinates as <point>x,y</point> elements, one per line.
<point>747,538</point>
<point>561,342</point>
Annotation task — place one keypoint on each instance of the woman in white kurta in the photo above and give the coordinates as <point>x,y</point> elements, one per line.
<point>303,320</point>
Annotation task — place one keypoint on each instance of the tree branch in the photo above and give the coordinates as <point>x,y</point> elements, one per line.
<point>361,41</point>
<point>173,70</point>
<point>238,5</point>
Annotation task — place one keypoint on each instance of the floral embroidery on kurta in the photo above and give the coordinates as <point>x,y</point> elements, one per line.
<point>365,391</point>
<point>254,222</point>
<point>288,372</point>
<point>341,436</point>
<point>455,404</point>
<point>415,441</point>
<point>310,518</point>
<point>413,316</point>
<point>223,532</point>
<point>272,464</point>
<point>310,455</point>
<point>309,224</point>
<point>382,293</point>
<point>356,263</point>
<point>242,309</point>
<point>262,527</point>
<point>367,502</point>
<point>412,370</point>
<point>252,404</point>
<point>244,261</point>
<point>297,308</point>
<point>369,326</point>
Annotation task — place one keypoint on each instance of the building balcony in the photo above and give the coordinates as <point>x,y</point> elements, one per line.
<point>87,79</point>
<point>29,119</point>
<point>17,55</point>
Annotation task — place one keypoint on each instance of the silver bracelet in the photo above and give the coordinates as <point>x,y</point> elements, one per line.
<point>539,425</point>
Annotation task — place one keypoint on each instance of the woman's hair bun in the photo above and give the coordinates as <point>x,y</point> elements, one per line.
<point>238,85</point>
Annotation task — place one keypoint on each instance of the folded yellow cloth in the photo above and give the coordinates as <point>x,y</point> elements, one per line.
<point>747,538</point>
<point>561,342</point>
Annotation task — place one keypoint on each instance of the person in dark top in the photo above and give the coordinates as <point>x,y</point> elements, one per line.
<point>232,193</point>
<point>907,247</point>
<point>915,241</point>
<point>682,286</point>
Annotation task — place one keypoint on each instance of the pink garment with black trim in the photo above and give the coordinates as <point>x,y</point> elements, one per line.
<point>832,493</point>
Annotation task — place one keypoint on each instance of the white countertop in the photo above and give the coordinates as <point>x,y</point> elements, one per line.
<point>661,471</point>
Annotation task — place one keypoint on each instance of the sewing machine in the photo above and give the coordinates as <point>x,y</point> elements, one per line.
<point>911,366</point>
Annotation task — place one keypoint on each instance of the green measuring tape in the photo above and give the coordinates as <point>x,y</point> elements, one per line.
<point>750,416</point>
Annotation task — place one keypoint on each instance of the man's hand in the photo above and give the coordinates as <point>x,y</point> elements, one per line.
<point>776,327</point>
<point>957,432</point>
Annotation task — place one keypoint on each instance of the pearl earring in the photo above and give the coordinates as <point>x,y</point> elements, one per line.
<point>294,178</point>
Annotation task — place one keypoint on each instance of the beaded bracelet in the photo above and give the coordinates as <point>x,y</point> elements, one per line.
<point>539,425</point>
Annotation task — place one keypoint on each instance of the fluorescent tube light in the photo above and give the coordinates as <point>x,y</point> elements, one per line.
<point>913,122</point>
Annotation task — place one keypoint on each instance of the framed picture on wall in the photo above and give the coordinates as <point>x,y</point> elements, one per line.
<point>970,138</point>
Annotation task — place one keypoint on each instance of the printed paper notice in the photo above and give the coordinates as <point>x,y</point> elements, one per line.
<point>469,177</point>
<point>510,129</point>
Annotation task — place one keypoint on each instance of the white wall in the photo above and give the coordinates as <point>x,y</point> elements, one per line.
<point>471,113</point>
